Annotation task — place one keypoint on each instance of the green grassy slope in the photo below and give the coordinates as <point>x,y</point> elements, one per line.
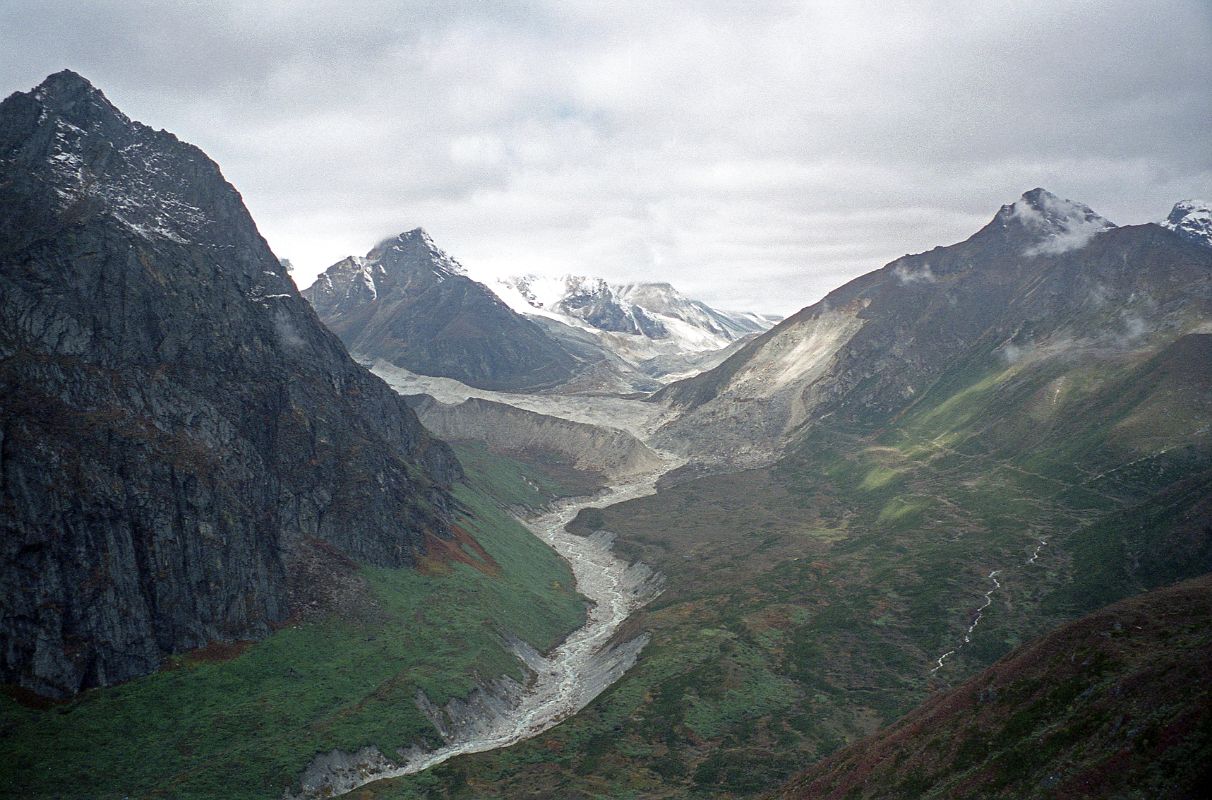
<point>806,603</point>
<point>245,726</point>
<point>1115,705</point>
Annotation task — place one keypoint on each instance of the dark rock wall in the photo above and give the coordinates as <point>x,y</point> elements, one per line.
<point>175,423</point>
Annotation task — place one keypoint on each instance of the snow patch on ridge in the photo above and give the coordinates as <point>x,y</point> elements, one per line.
<point>1192,220</point>
<point>659,319</point>
<point>1061,225</point>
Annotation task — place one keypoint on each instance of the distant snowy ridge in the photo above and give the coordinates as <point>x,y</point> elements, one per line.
<point>639,320</point>
<point>1192,220</point>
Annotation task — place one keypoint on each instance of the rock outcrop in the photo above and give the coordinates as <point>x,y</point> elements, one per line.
<point>179,434</point>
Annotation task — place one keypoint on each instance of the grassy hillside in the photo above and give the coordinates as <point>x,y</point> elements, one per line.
<point>1115,705</point>
<point>243,721</point>
<point>807,604</point>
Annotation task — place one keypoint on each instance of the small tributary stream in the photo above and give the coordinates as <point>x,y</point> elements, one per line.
<point>980,612</point>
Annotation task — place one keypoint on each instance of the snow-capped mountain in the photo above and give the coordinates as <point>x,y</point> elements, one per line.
<point>1192,220</point>
<point>357,279</point>
<point>579,301</point>
<point>409,303</point>
<point>637,321</point>
<point>1051,225</point>
<point>1044,278</point>
<point>667,303</point>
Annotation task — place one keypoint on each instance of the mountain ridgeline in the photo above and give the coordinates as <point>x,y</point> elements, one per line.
<point>1046,281</point>
<point>409,303</point>
<point>186,454</point>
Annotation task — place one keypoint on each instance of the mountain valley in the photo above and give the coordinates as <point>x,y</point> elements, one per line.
<point>411,305</point>
<point>900,533</point>
<point>944,533</point>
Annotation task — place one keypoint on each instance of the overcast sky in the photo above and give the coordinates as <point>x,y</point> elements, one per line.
<point>754,154</point>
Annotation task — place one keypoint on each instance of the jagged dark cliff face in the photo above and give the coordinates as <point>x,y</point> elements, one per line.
<point>178,432</point>
<point>409,303</point>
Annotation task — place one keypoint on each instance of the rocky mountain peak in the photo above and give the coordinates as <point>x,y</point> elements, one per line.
<point>414,252</point>
<point>1043,223</point>
<point>182,437</point>
<point>408,302</point>
<point>1192,220</point>
<point>77,115</point>
<point>407,259</point>
<point>1044,210</point>
<point>98,163</point>
<point>67,92</point>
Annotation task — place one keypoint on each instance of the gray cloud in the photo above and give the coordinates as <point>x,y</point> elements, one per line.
<point>757,155</point>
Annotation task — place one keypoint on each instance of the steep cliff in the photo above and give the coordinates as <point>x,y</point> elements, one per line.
<point>181,441</point>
